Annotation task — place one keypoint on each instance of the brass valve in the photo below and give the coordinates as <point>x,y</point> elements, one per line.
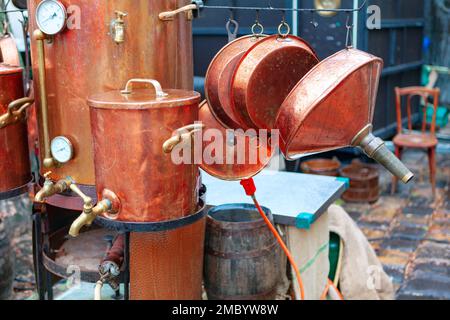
<point>16,112</point>
<point>118,27</point>
<point>110,204</point>
<point>50,188</point>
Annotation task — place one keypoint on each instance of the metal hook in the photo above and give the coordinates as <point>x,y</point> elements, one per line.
<point>313,20</point>
<point>284,25</point>
<point>232,35</point>
<point>349,28</point>
<point>257,25</point>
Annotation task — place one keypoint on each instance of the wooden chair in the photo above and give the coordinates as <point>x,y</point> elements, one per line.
<point>424,140</point>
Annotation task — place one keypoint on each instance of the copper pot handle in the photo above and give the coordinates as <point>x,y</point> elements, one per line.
<point>169,15</point>
<point>158,89</point>
<point>16,110</point>
<point>181,135</point>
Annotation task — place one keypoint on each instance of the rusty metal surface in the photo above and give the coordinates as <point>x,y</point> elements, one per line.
<point>330,105</point>
<point>14,157</point>
<point>167,265</point>
<point>265,75</point>
<point>128,134</point>
<point>84,61</point>
<point>218,80</point>
<point>234,170</point>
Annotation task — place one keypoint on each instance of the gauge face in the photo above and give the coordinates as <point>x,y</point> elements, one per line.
<point>51,16</point>
<point>62,150</point>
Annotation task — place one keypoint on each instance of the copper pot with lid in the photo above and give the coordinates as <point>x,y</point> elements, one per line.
<point>14,157</point>
<point>265,75</point>
<point>332,107</point>
<point>255,151</point>
<point>134,132</point>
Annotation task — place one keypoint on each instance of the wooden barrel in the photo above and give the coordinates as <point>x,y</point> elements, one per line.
<point>242,257</point>
<point>324,167</point>
<point>364,183</point>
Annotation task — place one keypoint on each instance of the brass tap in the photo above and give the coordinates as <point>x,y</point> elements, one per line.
<point>118,27</point>
<point>110,204</point>
<point>90,212</point>
<point>50,188</point>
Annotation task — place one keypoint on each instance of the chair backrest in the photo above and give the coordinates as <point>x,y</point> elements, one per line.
<point>412,92</point>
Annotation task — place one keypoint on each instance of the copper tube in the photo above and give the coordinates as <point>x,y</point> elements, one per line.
<point>40,37</point>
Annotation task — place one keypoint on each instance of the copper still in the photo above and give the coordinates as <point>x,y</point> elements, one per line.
<point>104,44</point>
<point>129,130</point>
<point>332,107</point>
<point>14,158</point>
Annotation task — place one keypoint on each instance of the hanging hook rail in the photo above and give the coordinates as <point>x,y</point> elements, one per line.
<point>270,8</point>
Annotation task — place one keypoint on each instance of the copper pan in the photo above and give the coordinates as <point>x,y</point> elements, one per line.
<point>332,107</point>
<point>218,80</point>
<point>265,75</point>
<point>234,171</point>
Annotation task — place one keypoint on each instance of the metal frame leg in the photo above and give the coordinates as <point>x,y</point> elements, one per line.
<point>40,269</point>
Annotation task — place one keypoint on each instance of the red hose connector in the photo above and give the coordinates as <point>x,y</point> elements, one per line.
<point>249,186</point>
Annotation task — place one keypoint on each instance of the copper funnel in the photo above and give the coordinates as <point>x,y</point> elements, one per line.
<point>332,107</point>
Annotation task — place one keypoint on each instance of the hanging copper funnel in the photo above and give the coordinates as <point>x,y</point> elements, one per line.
<point>332,107</point>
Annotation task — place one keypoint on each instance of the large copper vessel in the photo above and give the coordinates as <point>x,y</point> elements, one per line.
<point>14,157</point>
<point>87,58</point>
<point>265,75</point>
<point>130,130</point>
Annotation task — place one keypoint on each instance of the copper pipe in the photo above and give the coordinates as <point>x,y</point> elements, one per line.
<point>40,37</point>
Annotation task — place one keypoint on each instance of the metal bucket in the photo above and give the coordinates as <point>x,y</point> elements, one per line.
<point>242,257</point>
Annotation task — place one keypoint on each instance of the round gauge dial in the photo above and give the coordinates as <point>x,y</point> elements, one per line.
<point>51,16</point>
<point>62,149</point>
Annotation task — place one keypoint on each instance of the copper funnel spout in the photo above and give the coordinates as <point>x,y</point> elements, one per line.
<point>376,149</point>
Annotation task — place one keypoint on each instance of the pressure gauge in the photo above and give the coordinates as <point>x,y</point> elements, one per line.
<point>62,149</point>
<point>51,16</point>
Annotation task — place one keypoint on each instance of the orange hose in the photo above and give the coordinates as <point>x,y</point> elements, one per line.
<point>283,246</point>
<point>331,284</point>
<point>325,293</point>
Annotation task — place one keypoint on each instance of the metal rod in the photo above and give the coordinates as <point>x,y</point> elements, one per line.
<point>270,8</point>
